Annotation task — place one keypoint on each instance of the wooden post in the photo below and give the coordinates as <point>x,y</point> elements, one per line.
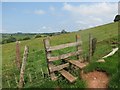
<point>18,59</point>
<point>78,48</point>
<point>47,45</point>
<point>25,55</point>
<point>94,41</point>
<point>48,54</point>
<point>90,47</point>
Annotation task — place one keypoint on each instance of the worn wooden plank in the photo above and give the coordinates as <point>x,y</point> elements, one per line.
<point>78,47</point>
<point>90,47</point>
<point>64,56</point>
<point>59,67</point>
<point>25,55</point>
<point>68,76</point>
<point>48,54</point>
<point>52,74</point>
<point>18,59</point>
<point>78,63</point>
<point>58,47</point>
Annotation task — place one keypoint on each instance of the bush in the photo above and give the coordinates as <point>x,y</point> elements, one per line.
<point>26,38</point>
<point>117,18</point>
<point>8,40</point>
<point>38,36</point>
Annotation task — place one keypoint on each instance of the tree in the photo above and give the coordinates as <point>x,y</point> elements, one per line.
<point>63,31</point>
<point>117,18</point>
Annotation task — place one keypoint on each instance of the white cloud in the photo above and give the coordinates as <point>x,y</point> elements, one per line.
<point>44,27</point>
<point>39,12</point>
<point>91,14</point>
<point>52,8</point>
<point>91,9</point>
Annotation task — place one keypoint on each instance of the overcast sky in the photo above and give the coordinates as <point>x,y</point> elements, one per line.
<point>43,17</point>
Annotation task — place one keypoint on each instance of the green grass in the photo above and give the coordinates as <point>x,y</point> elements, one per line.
<point>36,58</point>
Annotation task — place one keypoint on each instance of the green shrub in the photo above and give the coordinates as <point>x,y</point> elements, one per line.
<point>38,36</point>
<point>26,38</point>
<point>8,40</point>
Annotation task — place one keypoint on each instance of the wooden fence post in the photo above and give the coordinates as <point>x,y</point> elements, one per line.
<point>18,59</point>
<point>94,41</point>
<point>47,45</point>
<point>48,54</point>
<point>90,47</point>
<point>79,48</point>
<point>25,55</point>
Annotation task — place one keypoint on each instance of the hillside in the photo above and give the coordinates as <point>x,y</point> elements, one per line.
<point>36,58</point>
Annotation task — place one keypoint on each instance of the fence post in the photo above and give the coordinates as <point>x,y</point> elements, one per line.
<point>25,55</point>
<point>90,47</point>
<point>94,41</point>
<point>48,54</point>
<point>18,59</point>
<point>79,48</point>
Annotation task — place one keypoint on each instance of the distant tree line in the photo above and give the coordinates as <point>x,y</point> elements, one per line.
<point>8,38</point>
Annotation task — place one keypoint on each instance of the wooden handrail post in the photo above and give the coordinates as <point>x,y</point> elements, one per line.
<point>78,47</point>
<point>47,45</point>
<point>25,55</point>
<point>18,59</point>
<point>90,47</point>
<point>48,54</point>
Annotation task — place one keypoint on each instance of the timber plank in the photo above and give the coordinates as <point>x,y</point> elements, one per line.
<point>57,68</point>
<point>78,63</point>
<point>68,76</point>
<point>64,56</point>
<point>58,47</point>
<point>53,77</point>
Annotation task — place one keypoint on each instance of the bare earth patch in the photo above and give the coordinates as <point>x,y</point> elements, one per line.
<point>95,79</point>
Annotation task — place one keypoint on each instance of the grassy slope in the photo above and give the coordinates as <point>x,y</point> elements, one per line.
<point>37,60</point>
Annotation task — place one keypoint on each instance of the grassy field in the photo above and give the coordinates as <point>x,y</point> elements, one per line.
<point>105,34</point>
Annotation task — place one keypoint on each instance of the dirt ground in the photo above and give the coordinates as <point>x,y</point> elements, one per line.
<point>95,79</point>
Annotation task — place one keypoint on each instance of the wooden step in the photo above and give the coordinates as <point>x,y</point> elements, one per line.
<point>53,77</point>
<point>68,76</point>
<point>52,74</point>
<point>78,63</point>
<point>57,68</point>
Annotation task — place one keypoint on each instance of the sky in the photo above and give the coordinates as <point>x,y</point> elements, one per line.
<point>46,17</point>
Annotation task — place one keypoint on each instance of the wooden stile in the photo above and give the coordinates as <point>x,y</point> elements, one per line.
<point>61,68</point>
